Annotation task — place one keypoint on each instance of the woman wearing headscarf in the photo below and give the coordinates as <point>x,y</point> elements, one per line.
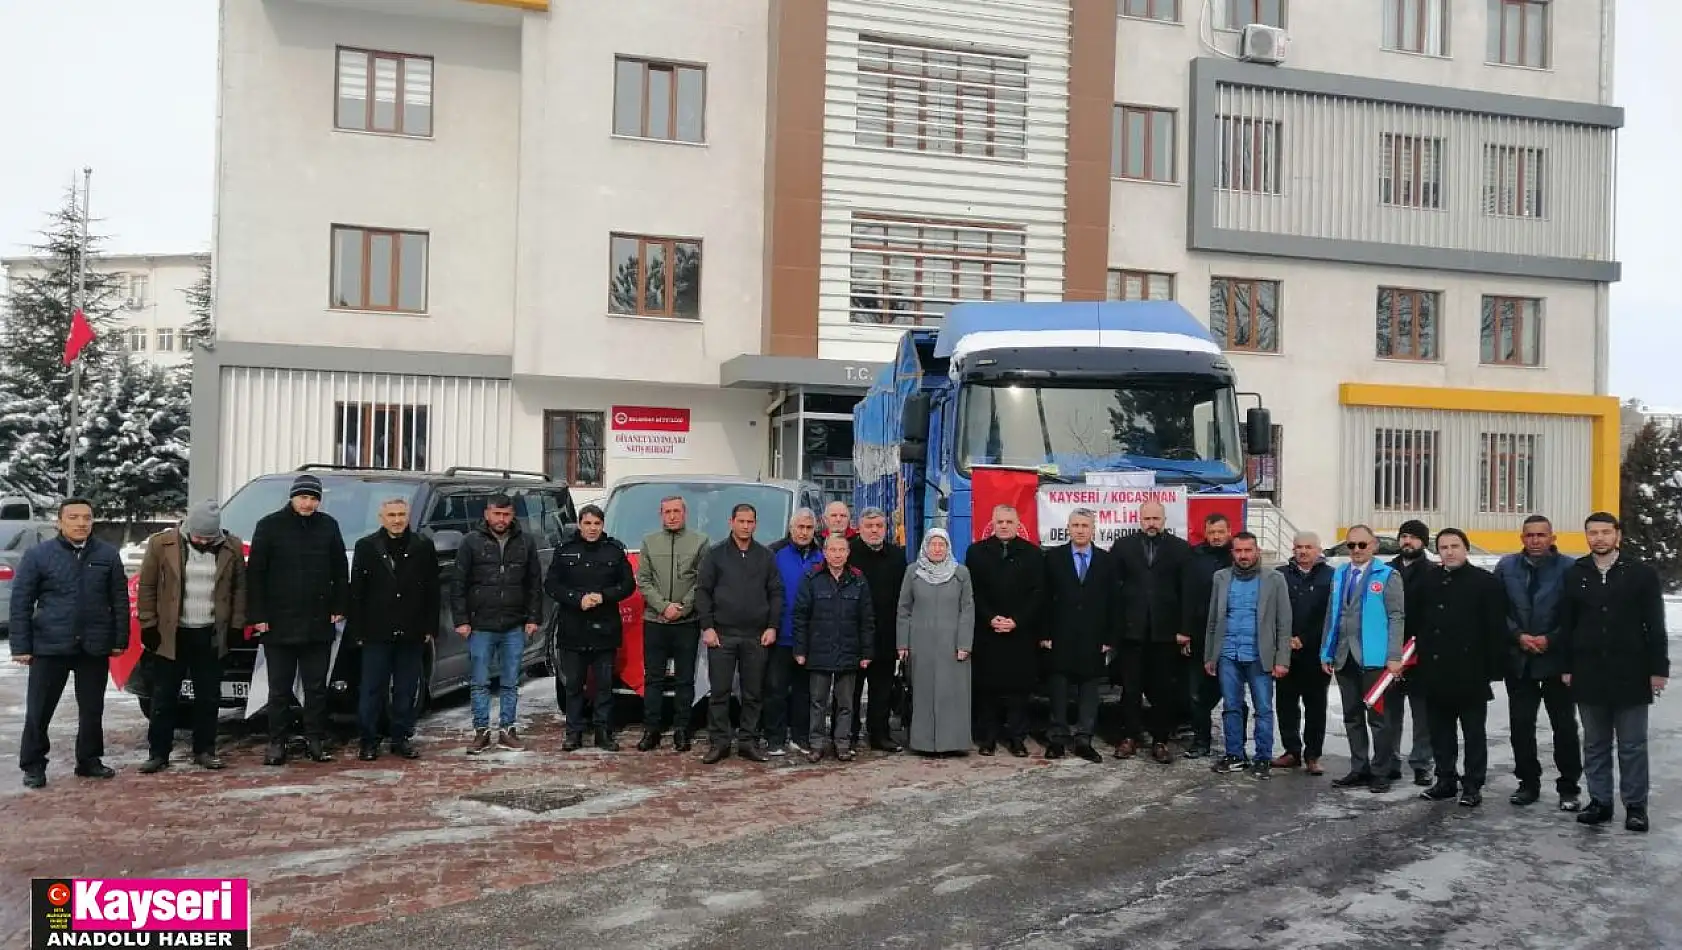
<point>936,630</point>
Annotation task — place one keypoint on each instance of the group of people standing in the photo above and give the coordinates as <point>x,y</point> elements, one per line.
<point>811,627</point>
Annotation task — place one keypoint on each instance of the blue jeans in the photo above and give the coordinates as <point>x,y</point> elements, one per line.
<point>480,645</point>
<point>1235,675</point>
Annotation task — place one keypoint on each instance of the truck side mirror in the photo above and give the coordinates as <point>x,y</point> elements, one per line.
<point>447,542</point>
<point>1258,431</point>
<point>914,429</point>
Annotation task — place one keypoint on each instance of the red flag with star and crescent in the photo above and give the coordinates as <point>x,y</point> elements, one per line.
<point>81,334</point>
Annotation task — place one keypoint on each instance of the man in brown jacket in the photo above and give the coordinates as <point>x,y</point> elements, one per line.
<point>191,597</point>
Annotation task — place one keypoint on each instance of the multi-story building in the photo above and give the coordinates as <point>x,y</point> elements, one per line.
<point>153,311</point>
<point>606,239</point>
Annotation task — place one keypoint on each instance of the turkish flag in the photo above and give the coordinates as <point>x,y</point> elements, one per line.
<point>81,334</point>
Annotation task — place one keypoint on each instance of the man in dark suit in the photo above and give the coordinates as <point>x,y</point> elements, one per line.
<point>1006,571</point>
<point>1082,614</point>
<point>1150,564</point>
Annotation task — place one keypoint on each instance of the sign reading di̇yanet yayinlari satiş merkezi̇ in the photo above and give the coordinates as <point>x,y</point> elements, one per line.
<point>140,912</point>
<point>648,432</point>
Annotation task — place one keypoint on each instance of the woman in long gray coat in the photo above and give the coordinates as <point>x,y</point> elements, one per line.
<point>936,632</point>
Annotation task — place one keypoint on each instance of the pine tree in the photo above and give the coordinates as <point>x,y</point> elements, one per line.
<point>133,448</point>
<point>34,382</point>
<point>202,328</point>
<point>1651,500</point>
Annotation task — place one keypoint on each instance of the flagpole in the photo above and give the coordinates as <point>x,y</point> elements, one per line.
<point>76,364</point>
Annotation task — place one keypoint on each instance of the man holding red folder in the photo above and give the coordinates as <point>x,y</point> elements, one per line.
<point>1364,639</point>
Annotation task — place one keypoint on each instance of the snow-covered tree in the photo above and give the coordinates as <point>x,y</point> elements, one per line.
<point>1651,502</point>
<point>132,449</point>
<point>202,328</point>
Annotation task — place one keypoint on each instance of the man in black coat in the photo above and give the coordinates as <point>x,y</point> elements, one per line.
<point>883,564</point>
<point>834,631</point>
<point>1461,649</point>
<point>1006,572</point>
<point>1151,564</point>
<point>391,617</point>
<point>1213,555</point>
<point>1082,616</point>
<point>588,577</point>
<point>1412,564</point>
<point>1301,703</point>
<point>739,603</point>
<point>69,615</point>
<point>1617,661</point>
<point>496,599</point>
<point>1535,583</point>
<point>298,586</point>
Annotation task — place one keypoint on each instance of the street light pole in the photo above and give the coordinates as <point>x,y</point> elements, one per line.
<point>80,303</point>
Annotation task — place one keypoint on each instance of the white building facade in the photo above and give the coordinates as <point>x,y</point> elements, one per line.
<point>153,311</point>
<point>602,240</point>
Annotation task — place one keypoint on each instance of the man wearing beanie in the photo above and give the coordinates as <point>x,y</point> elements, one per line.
<point>1412,564</point>
<point>298,586</point>
<point>191,599</point>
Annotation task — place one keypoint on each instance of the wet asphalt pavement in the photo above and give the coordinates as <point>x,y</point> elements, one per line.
<point>1130,855</point>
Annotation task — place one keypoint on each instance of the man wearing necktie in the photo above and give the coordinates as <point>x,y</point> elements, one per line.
<point>1363,639</point>
<point>1083,612</point>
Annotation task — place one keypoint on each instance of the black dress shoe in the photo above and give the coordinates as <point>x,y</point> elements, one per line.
<point>369,753</point>
<point>1054,750</point>
<point>1197,750</point>
<point>1598,813</point>
<point>1085,751</point>
<point>276,754</point>
<point>1471,797</point>
<point>1440,792</point>
<point>1421,777</point>
<point>752,752</point>
<point>649,742</point>
<point>886,744</point>
<point>1526,795</point>
<point>605,741</point>
<point>209,760</point>
<point>35,778</point>
<point>317,751</point>
<point>154,765</point>
<point>1353,780</point>
<point>681,740</point>
<point>986,748</point>
<point>574,742</point>
<point>1380,787</point>
<point>95,769</point>
<point>1635,818</point>
<point>716,754</point>
<point>1017,748</point>
<point>405,749</point>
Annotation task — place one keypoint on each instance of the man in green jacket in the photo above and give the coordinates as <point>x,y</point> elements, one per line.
<point>667,567</point>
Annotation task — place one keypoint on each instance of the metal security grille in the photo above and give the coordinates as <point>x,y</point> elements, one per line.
<point>1481,471</point>
<point>910,272</point>
<point>1320,166</point>
<point>274,420</point>
<point>929,98</point>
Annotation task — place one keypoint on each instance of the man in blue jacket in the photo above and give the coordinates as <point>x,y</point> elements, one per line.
<point>69,614</point>
<point>1535,582</point>
<point>1364,625</point>
<point>787,693</point>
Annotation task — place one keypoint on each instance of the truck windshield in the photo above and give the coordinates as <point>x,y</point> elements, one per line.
<point>633,510</point>
<point>1174,427</point>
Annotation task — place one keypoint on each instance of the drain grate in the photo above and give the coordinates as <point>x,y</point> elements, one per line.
<point>537,799</point>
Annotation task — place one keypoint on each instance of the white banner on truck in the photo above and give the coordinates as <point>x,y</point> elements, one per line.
<point>1115,510</point>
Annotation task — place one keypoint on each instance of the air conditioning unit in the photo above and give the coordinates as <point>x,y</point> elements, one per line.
<point>1263,44</point>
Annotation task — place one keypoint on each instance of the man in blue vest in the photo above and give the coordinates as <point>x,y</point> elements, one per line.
<point>1364,638</point>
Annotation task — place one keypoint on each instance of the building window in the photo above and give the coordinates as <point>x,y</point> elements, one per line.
<point>1166,10</point>
<point>137,288</point>
<point>1407,323</point>
<point>1506,473</point>
<point>947,101</point>
<point>380,435</point>
<point>654,276</point>
<point>1405,470</point>
<point>135,339</point>
<point>1140,285</point>
<point>659,100</point>
<point>573,447</point>
<point>1249,154</point>
<point>1518,33</point>
<point>377,269</point>
<point>384,92</point>
<point>1511,333</point>
<point>166,339</point>
<point>1416,26</point>
<point>908,272</point>
<point>1244,314</point>
<point>1237,14</point>
<point>1142,143</point>
<point>1410,172</point>
<point>1513,181</point>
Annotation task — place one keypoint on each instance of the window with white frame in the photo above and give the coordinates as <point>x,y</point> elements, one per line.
<point>1513,181</point>
<point>166,339</point>
<point>137,290</point>
<point>1416,26</point>
<point>135,339</point>
<point>949,101</point>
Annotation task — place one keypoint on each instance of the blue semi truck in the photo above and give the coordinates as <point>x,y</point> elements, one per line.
<point>1057,389</point>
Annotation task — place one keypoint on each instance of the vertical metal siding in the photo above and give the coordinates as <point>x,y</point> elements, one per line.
<point>1441,474</point>
<point>1330,165</point>
<point>277,419</point>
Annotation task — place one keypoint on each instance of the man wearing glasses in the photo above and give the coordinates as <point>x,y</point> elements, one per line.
<point>1363,638</point>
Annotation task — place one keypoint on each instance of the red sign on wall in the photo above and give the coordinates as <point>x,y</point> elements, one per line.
<point>648,432</point>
